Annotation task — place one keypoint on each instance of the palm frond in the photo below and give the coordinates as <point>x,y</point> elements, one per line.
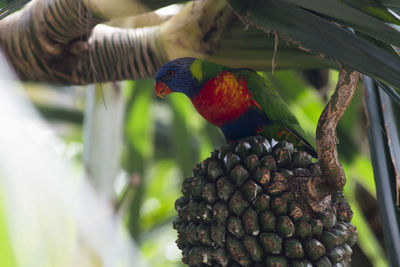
<point>315,31</point>
<point>376,8</point>
<point>380,119</point>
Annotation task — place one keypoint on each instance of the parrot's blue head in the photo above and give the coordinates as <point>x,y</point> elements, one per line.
<point>177,76</point>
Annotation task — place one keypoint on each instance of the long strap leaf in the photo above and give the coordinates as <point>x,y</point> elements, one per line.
<point>390,91</point>
<point>374,8</point>
<point>383,168</point>
<point>321,37</point>
<point>353,18</point>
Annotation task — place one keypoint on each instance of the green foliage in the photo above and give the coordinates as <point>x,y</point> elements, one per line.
<point>138,133</point>
<point>374,8</point>
<point>384,155</point>
<point>311,28</point>
<point>9,6</point>
<point>354,18</point>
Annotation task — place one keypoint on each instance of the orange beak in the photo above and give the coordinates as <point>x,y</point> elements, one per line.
<point>162,89</point>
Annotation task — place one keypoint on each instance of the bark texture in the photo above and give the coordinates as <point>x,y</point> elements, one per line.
<point>326,129</point>
<point>330,178</point>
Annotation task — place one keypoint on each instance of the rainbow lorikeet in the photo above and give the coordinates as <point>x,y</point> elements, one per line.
<point>238,101</point>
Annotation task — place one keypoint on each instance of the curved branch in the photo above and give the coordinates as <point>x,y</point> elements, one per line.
<point>333,177</point>
<point>326,128</point>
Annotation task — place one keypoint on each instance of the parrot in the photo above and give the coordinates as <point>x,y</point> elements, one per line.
<point>240,102</point>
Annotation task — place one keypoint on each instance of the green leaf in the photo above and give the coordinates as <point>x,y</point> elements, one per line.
<point>321,37</point>
<point>391,117</point>
<point>390,3</point>
<point>390,91</point>
<point>383,171</point>
<point>139,119</point>
<point>284,59</point>
<point>374,8</point>
<point>11,7</point>
<point>351,17</point>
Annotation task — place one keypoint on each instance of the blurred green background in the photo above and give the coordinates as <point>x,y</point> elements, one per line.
<point>163,139</point>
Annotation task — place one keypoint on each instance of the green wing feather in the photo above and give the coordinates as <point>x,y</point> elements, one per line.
<point>273,105</point>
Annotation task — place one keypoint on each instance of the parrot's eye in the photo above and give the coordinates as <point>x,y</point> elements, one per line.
<point>170,73</point>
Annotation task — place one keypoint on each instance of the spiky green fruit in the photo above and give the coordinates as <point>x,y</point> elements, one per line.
<point>240,209</point>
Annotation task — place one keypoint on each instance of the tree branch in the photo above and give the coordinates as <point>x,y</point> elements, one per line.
<point>333,177</point>
<point>326,128</point>
<point>328,176</point>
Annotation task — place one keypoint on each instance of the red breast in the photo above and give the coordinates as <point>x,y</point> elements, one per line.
<point>224,99</point>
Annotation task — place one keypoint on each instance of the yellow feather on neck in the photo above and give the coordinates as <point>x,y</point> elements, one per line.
<point>196,70</point>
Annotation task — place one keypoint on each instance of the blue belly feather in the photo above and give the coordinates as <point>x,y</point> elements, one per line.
<point>246,125</point>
